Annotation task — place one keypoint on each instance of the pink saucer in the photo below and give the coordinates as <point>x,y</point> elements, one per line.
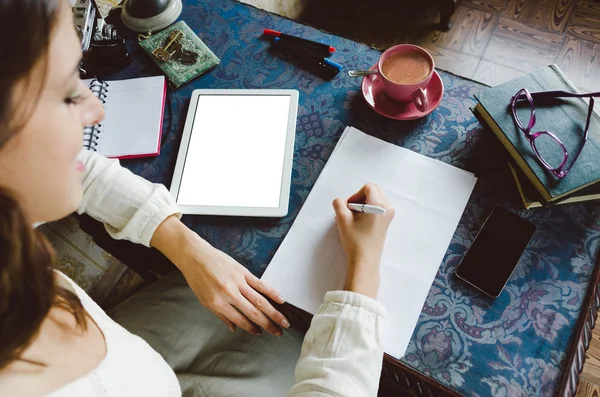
<point>372,90</point>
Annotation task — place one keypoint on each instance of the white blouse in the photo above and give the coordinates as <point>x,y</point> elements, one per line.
<point>130,368</point>
<point>342,351</point>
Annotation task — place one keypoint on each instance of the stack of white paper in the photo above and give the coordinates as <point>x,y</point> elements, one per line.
<point>429,197</point>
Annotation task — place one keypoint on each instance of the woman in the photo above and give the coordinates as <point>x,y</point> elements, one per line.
<point>55,341</point>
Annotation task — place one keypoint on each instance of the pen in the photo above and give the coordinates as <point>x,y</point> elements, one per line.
<point>300,52</point>
<point>322,49</point>
<point>319,52</point>
<point>366,208</point>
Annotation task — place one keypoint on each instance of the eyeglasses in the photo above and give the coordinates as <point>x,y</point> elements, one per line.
<point>553,149</point>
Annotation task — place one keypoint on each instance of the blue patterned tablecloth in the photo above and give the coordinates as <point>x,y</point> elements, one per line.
<point>514,345</point>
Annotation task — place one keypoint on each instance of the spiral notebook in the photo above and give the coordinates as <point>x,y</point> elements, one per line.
<point>132,125</point>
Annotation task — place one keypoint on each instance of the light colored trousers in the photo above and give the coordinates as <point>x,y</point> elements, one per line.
<point>207,357</point>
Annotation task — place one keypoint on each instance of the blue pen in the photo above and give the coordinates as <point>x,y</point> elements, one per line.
<point>304,53</point>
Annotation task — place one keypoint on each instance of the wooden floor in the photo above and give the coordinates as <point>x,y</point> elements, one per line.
<point>590,384</point>
<point>491,41</point>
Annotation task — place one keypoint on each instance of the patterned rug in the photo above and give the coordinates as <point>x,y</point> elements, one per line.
<point>78,256</point>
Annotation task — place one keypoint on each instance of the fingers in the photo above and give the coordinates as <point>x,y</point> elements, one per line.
<point>373,194</point>
<point>254,297</point>
<point>369,194</point>
<point>358,197</point>
<point>264,288</point>
<point>240,321</point>
<point>341,209</point>
<point>262,304</point>
<point>255,314</point>
<point>385,203</point>
<point>228,323</point>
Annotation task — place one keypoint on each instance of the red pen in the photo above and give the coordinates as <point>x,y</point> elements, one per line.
<point>323,50</point>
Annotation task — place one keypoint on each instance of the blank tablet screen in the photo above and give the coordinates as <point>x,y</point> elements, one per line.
<point>236,151</point>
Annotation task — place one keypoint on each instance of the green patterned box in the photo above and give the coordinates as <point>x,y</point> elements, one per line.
<point>179,73</point>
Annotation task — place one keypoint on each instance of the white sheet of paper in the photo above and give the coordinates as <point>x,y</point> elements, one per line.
<point>429,197</point>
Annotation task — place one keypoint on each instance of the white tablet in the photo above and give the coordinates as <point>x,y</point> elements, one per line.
<point>236,153</point>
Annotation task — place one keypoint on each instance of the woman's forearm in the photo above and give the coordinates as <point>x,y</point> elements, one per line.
<point>175,240</point>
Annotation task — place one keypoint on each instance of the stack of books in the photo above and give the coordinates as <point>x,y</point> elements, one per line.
<point>566,118</point>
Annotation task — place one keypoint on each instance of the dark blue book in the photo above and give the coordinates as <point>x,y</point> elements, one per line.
<point>565,117</point>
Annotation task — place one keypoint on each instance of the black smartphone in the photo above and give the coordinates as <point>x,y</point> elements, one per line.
<point>495,252</point>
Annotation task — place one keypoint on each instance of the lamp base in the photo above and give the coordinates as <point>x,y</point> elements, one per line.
<point>154,23</point>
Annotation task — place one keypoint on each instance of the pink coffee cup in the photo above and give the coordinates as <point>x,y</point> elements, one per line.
<point>406,93</point>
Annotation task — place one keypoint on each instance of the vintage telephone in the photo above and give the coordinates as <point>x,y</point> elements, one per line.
<point>104,51</point>
<point>145,16</point>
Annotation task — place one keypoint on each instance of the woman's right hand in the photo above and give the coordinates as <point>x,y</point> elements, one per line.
<point>363,237</point>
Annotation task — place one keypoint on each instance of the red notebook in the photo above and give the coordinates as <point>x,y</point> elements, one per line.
<point>132,125</point>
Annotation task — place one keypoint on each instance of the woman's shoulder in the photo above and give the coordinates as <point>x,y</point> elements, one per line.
<point>90,306</point>
<point>60,357</point>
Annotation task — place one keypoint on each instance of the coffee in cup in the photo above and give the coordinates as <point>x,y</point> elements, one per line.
<point>406,68</point>
<point>406,71</point>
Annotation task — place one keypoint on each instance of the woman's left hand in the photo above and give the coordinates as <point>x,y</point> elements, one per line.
<point>221,284</point>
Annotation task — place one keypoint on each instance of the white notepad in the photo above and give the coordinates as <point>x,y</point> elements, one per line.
<point>429,197</point>
<point>132,125</point>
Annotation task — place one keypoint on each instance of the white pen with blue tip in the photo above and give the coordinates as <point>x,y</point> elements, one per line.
<point>366,208</point>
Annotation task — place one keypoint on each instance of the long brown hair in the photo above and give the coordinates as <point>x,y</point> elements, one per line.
<point>27,280</point>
